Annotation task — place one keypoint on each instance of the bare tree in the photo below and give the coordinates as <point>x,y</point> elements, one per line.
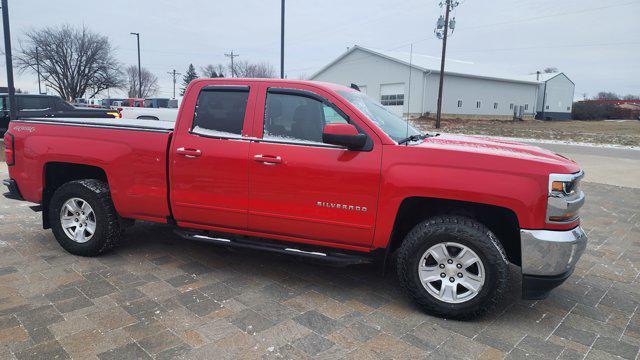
<point>149,82</point>
<point>213,71</point>
<point>73,61</point>
<point>631,97</point>
<point>244,68</point>
<point>550,70</point>
<point>607,95</point>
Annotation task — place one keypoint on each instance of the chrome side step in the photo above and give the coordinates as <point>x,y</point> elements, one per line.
<point>332,256</point>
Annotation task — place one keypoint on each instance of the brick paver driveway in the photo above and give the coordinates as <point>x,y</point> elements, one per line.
<point>158,296</point>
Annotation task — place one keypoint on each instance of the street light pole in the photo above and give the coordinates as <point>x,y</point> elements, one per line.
<point>139,67</point>
<point>38,71</point>
<point>7,51</point>
<point>282,40</point>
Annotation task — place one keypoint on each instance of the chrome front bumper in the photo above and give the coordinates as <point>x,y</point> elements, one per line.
<point>551,253</point>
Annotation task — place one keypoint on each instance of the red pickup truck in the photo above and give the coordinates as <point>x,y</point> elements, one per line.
<point>315,170</point>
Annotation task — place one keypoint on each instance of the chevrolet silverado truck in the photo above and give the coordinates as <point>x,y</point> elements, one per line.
<point>315,170</point>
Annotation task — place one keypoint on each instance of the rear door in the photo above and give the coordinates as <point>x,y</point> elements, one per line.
<point>209,158</point>
<point>300,187</point>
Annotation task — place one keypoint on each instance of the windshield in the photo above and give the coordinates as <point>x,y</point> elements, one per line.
<point>392,124</point>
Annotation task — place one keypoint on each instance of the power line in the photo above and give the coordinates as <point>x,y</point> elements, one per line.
<point>233,69</point>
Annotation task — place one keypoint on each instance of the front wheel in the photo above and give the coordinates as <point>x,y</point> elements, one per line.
<point>453,266</point>
<point>83,218</point>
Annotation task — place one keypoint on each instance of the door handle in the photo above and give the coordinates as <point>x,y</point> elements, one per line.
<point>268,159</point>
<point>189,153</point>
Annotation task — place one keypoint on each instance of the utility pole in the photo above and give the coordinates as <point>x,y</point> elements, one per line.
<point>7,51</point>
<point>139,67</point>
<point>442,32</point>
<point>282,40</point>
<point>174,74</point>
<point>233,69</point>
<point>38,70</point>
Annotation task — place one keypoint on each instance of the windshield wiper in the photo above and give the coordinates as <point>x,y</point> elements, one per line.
<point>413,138</point>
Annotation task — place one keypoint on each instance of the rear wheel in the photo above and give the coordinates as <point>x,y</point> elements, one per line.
<point>453,266</point>
<point>83,218</point>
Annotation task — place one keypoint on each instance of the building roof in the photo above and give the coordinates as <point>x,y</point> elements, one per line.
<point>429,63</point>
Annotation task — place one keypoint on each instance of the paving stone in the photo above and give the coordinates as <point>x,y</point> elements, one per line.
<point>275,311</point>
<point>128,351</point>
<point>317,322</point>
<point>615,347</point>
<point>44,351</point>
<point>76,303</point>
<point>182,280</point>
<point>313,344</point>
<point>219,291</point>
<point>159,342</point>
<point>570,333</point>
<point>98,288</point>
<point>250,321</point>
<point>204,307</point>
<point>176,352</point>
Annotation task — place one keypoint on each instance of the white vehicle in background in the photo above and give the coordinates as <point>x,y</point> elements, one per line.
<point>162,109</point>
<point>142,113</point>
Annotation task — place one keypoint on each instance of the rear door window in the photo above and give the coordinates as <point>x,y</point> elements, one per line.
<point>220,112</point>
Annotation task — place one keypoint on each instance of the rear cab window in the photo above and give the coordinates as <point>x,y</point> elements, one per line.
<point>220,111</point>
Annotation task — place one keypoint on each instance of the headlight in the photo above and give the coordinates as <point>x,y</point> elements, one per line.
<point>565,198</point>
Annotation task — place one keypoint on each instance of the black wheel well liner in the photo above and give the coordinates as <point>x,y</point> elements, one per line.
<point>503,222</point>
<point>57,174</point>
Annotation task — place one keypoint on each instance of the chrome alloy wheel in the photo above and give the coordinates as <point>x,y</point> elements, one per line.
<point>78,220</point>
<point>451,272</point>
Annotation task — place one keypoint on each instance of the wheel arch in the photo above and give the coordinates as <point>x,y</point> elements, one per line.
<point>503,222</point>
<point>56,174</point>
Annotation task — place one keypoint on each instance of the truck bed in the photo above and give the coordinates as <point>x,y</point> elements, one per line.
<point>126,124</point>
<point>131,153</point>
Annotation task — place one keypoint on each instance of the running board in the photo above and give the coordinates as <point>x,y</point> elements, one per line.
<point>324,254</point>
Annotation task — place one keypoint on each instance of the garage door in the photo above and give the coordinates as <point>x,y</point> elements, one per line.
<point>392,97</point>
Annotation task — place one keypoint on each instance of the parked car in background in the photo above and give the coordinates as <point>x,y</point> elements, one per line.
<point>108,102</point>
<point>133,102</point>
<point>45,106</point>
<point>161,103</point>
<point>315,170</point>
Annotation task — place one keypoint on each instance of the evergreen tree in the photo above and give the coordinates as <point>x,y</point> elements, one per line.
<point>189,76</point>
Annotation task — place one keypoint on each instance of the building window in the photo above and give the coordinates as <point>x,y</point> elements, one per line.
<point>390,100</point>
<point>511,106</point>
<point>459,103</point>
<point>568,108</point>
<point>546,107</point>
<point>495,105</point>
<point>526,106</point>
<point>478,104</point>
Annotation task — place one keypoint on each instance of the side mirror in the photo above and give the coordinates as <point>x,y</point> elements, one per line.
<point>343,135</point>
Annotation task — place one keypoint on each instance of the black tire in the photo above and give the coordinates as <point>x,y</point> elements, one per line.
<point>108,228</point>
<point>463,231</point>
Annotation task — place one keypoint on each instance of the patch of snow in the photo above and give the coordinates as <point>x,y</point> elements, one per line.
<point>560,142</point>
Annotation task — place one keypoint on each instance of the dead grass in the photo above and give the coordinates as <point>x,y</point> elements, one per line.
<point>619,132</point>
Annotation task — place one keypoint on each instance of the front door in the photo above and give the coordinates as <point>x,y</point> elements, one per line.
<point>209,170</point>
<point>300,187</point>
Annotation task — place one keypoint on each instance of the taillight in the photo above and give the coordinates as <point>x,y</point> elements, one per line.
<point>9,153</point>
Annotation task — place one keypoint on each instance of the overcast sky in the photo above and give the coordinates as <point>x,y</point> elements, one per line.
<point>596,43</point>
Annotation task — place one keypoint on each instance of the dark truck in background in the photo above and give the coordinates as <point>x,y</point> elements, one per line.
<point>43,106</point>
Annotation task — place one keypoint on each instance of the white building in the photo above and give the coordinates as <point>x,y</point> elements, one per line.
<point>470,91</point>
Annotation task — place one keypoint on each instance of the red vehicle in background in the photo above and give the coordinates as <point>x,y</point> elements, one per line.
<point>315,170</point>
